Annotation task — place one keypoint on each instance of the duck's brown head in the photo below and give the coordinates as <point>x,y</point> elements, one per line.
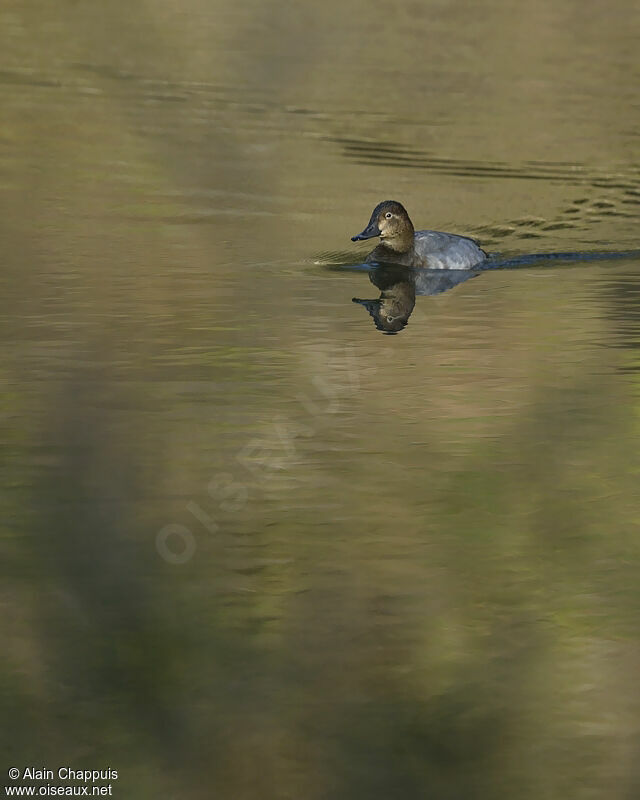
<point>391,223</point>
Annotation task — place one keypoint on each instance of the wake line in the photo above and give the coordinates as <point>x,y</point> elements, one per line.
<point>496,262</point>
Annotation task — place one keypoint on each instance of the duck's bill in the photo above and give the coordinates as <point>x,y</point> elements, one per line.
<point>369,232</point>
<point>372,306</point>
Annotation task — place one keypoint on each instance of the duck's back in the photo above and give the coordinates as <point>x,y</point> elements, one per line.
<point>437,250</point>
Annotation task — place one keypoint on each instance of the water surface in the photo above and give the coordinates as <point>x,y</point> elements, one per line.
<point>252,547</point>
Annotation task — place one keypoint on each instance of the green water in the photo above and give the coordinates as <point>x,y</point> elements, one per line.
<point>252,548</point>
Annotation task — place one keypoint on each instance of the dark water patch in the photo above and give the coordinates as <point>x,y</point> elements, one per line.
<point>27,78</point>
<point>559,226</point>
<point>497,261</point>
<point>623,314</point>
<point>386,154</point>
<point>146,82</point>
<point>580,215</point>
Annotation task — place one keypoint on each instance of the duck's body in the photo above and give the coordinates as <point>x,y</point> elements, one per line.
<point>427,249</point>
<point>433,250</point>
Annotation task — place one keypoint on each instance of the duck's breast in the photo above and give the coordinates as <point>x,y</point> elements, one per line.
<point>438,250</point>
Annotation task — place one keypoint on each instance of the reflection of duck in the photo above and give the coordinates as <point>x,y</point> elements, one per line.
<point>398,288</point>
<point>400,244</point>
<point>397,298</point>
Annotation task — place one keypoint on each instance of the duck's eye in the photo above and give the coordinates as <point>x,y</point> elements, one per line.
<point>388,215</point>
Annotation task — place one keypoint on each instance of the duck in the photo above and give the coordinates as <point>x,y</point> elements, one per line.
<point>402,244</point>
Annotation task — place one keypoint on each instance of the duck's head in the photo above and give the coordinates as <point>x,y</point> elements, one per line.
<point>391,223</point>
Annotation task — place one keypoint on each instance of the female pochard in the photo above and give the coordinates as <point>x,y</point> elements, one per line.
<point>400,244</point>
